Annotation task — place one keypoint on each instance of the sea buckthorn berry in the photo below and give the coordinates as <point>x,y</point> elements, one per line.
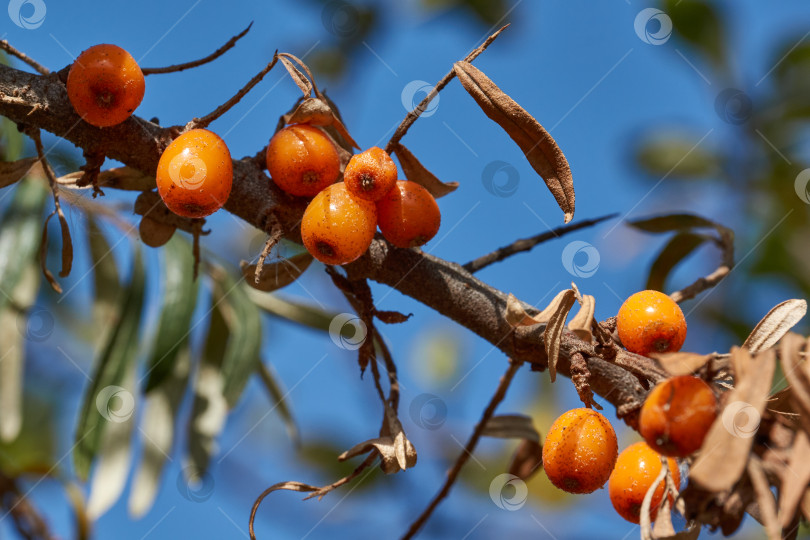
<point>677,414</point>
<point>338,228</point>
<point>302,160</point>
<point>195,174</point>
<point>580,451</point>
<point>408,215</point>
<point>651,321</point>
<point>371,174</point>
<point>105,85</point>
<point>636,469</point>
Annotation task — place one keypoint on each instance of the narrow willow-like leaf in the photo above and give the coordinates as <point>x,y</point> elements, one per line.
<point>106,282</point>
<point>537,144</point>
<point>527,460</point>
<point>277,395</point>
<point>179,299</point>
<point>671,222</point>
<point>15,171</point>
<point>277,274</point>
<point>511,426</point>
<point>125,178</point>
<point>416,172</point>
<point>553,333</point>
<point>298,78</point>
<point>517,316</point>
<point>117,355</point>
<point>681,363</point>
<point>677,249</point>
<point>775,324</point>
<point>582,321</point>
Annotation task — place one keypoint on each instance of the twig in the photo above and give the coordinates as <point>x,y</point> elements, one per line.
<point>272,240</point>
<point>210,58</point>
<point>411,117</point>
<point>206,120</point>
<point>29,524</point>
<point>503,385</point>
<point>6,46</point>
<point>525,244</point>
<point>726,244</point>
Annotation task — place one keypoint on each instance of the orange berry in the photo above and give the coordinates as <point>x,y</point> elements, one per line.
<point>302,160</point>
<point>651,321</point>
<point>338,228</point>
<point>408,215</point>
<point>580,451</point>
<point>636,469</point>
<point>371,174</point>
<point>105,85</point>
<point>195,174</point>
<point>677,414</point>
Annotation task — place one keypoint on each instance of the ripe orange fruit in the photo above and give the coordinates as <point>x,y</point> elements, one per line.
<point>408,215</point>
<point>302,160</point>
<point>338,228</point>
<point>677,414</point>
<point>636,469</point>
<point>580,451</point>
<point>371,174</point>
<point>651,321</point>
<point>105,85</point>
<point>195,174</point>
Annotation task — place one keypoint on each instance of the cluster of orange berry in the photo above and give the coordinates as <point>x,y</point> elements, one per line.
<point>339,223</point>
<point>580,452</point>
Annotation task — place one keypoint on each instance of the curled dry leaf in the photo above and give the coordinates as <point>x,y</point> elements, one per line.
<point>16,170</point>
<point>764,498</point>
<point>681,363</point>
<point>582,321</point>
<point>795,484</point>
<point>528,460</point>
<point>277,274</point>
<point>645,523</point>
<point>553,334</point>
<point>298,78</point>
<point>517,316</point>
<point>311,111</point>
<point>67,249</point>
<point>536,143</point>
<point>775,324</point>
<point>417,173</point>
<point>726,450</point>
<point>511,426</point>
<point>154,233</point>
<point>125,178</point>
<point>396,451</point>
<point>797,373</point>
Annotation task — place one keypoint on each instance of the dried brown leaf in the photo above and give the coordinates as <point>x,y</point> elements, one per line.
<point>726,448</point>
<point>277,274</point>
<point>417,173</point>
<point>124,178</point>
<point>775,324</point>
<point>582,321</point>
<point>511,426</point>
<point>795,483</point>
<point>644,522</point>
<point>11,172</point>
<point>154,233</point>
<point>392,317</point>
<point>764,498</point>
<point>528,460</point>
<point>298,78</point>
<point>797,374</point>
<point>517,316</point>
<point>396,451</point>
<point>311,111</point>
<point>553,334</point>
<point>681,363</point>
<point>537,144</point>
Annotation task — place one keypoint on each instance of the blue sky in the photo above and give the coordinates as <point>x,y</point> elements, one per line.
<point>580,69</point>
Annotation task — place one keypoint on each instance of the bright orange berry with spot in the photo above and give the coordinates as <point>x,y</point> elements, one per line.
<point>337,228</point>
<point>677,414</point>
<point>105,85</point>
<point>302,160</point>
<point>195,174</point>
<point>636,469</point>
<point>580,451</point>
<point>371,174</point>
<point>408,215</point>
<point>651,321</point>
